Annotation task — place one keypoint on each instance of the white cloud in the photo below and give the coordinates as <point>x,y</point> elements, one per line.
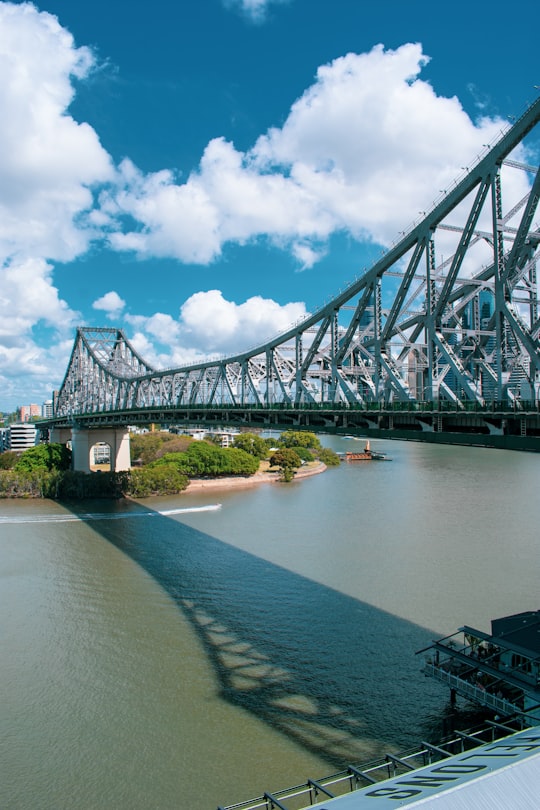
<point>254,10</point>
<point>49,164</point>
<point>48,161</point>
<point>215,324</point>
<point>111,303</point>
<point>209,324</point>
<point>28,298</point>
<point>364,150</point>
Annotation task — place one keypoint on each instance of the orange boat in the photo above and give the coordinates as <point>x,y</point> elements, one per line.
<point>366,455</point>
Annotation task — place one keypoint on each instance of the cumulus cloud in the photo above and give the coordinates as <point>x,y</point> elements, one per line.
<point>26,370</point>
<point>209,324</point>
<point>49,165</point>
<point>215,324</point>
<point>48,161</point>
<point>28,298</point>
<point>365,149</point>
<point>111,303</point>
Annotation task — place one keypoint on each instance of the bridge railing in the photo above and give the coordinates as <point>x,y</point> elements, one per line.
<point>493,408</point>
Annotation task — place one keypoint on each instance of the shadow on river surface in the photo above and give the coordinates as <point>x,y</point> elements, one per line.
<point>334,673</point>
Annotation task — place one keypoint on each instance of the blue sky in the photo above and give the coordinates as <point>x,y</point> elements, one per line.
<point>204,172</point>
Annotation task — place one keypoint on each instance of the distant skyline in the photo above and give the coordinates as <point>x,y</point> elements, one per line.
<point>203,173</point>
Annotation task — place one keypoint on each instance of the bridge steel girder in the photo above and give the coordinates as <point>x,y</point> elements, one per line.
<point>462,329</point>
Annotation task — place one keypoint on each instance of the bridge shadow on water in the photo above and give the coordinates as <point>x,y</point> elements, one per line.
<point>335,674</point>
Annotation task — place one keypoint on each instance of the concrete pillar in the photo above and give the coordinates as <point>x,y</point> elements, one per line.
<point>60,435</point>
<point>82,442</point>
<point>80,459</point>
<point>121,456</point>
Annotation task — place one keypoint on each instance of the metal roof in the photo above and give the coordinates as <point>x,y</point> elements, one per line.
<point>502,775</point>
<point>522,630</point>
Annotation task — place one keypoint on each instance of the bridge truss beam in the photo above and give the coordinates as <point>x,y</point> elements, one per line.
<point>449,313</point>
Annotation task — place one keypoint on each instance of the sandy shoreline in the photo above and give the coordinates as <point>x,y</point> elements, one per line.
<point>239,482</point>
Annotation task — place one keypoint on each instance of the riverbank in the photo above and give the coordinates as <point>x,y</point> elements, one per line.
<point>260,477</point>
<point>80,486</point>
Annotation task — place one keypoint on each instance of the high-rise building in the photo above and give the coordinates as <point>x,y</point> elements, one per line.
<point>47,409</point>
<point>27,412</point>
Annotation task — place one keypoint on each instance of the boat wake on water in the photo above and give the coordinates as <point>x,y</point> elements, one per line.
<point>212,507</point>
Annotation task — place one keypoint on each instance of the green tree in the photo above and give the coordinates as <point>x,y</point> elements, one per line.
<point>299,438</point>
<point>177,444</point>
<point>21,484</point>
<point>44,457</point>
<point>252,444</point>
<point>146,447</point>
<point>8,459</point>
<point>239,462</point>
<point>200,459</point>
<point>163,479</point>
<point>287,461</point>
<point>203,459</point>
<point>304,453</point>
<point>328,457</point>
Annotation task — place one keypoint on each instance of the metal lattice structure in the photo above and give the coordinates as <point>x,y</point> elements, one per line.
<point>462,327</point>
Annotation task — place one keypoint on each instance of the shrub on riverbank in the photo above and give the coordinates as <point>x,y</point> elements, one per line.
<point>8,459</point>
<point>71,485</point>
<point>328,457</point>
<point>253,444</point>
<point>41,472</point>
<point>36,473</point>
<point>75,485</point>
<point>163,479</point>
<point>148,447</point>
<point>205,460</point>
<point>22,484</point>
<point>44,457</point>
<point>308,447</point>
<point>287,461</point>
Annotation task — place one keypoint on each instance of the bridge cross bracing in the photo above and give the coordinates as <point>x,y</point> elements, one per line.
<point>448,313</point>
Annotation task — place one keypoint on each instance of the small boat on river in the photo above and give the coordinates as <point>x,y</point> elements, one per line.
<point>366,455</point>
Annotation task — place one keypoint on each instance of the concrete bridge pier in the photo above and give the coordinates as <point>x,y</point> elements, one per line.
<point>82,442</point>
<point>59,435</point>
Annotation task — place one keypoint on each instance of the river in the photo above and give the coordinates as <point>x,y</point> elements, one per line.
<point>200,658</point>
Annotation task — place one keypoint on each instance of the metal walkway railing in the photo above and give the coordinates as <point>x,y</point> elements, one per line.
<point>476,693</point>
<point>354,777</point>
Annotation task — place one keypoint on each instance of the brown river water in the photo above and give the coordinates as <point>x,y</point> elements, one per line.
<point>157,658</point>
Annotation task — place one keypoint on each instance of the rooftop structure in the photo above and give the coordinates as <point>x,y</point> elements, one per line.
<point>488,767</point>
<point>500,671</point>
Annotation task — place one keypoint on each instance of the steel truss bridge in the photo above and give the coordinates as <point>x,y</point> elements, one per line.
<point>444,322</point>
